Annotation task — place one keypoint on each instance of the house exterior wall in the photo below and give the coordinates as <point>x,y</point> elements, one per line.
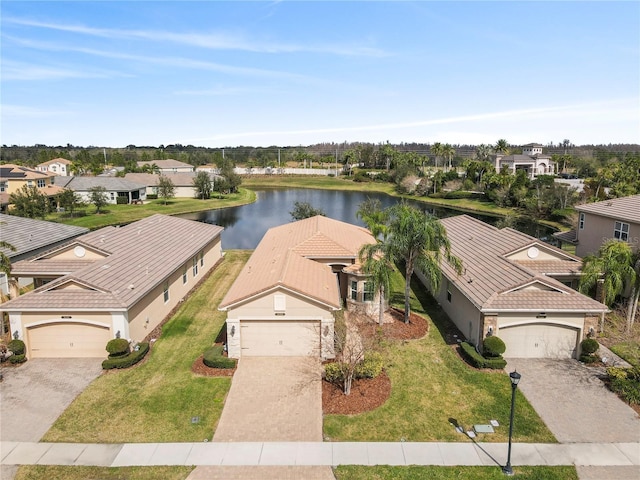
<point>511,319</point>
<point>462,312</point>
<point>597,229</point>
<point>112,195</point>
<point>263,308</point>
<point>153,307</point>
<point>15,184</point>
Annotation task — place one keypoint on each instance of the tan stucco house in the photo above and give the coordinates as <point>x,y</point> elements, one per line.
<point>182,181</point>
<point>114,188</point>
<point>169,166</point>
<point>116,281</point>
<point>532,161</point>
<point>14,177</point>
<point>59,166</point>
<point>518,288</point>
<point>283,301</point>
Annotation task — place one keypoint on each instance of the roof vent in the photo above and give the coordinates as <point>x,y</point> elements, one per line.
<point>132,286</point>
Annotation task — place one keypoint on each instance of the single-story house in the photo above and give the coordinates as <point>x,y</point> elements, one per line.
<point>182,181</point>
<point>618,218</point>
<point>114,188</point>
<point>112,282</point>
<point>518,288</point>
<point>532,161</point>
<point>59,166</point>
<point>283,301</point>
<point>169,166</point>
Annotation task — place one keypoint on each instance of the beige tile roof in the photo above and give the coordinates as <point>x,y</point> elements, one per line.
<point>282,259</point>
<point>141,255</point>
<point>489,277</point>
<point>624,208</point>
<point>168,163</point>
<point>9,171</point>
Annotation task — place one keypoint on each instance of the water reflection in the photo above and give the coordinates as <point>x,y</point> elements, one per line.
<point>246,225</point>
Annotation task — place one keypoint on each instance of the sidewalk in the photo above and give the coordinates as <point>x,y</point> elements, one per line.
<point>318,454</point>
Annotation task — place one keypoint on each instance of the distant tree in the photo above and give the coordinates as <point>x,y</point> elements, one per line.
<point>233,179</point>
<point>98,197</point>
<point>483,152</point>
<point>166,188</point>
<point>202,185</point>
<point>29,202</point>
<point>448,152</point>
<point>302,210</point>
<point>437,149</point>
<point>70,200</point>
<point>502,146</point>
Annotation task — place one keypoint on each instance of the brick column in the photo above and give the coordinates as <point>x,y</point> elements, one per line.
<point>489,321</point>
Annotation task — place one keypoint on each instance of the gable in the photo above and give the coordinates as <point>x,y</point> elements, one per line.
<point>534,286</point>
<point>71,285</point>
<point>536,251</point>
<point>75,251</point>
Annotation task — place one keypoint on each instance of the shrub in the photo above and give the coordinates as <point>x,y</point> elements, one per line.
<point>152,196</point>
<point>617,372</point>
<point>213,358</point>
<point>21,358</point>
<point>493,347</point>
<point>589,346</point>
<point>122,200</point>
<point>370,367</point>
<point>495,363</point>
<point>475,359</point>
<point>628,389</point>
<point>588,358</point>
<point>333,373</point>
<point>17,347</point>
<point>117,347</point>
<point>127,361</point>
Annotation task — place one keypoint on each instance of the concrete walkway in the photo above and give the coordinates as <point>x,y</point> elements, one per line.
<point>282,454</point>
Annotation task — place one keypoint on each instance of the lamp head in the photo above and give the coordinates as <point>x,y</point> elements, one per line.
<point>514,377</point>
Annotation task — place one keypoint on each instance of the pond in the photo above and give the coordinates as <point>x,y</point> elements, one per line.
<point>246,225</point>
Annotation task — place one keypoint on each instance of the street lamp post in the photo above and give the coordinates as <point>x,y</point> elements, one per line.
<point>515,378</point>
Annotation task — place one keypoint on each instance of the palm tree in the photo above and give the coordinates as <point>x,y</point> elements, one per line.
<point>5,261</point>
<point>376,264</point>
<point>436,149</point>
<point>502,146</point>
<point>614,265</point>
<point>448,152</point>
<point>483,152</point>
<point>420,241</point>
<point>374,217</point>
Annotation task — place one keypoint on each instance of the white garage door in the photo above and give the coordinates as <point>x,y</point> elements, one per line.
<point>280,339</point>
<point>539,341</point>
<point>68,340</point>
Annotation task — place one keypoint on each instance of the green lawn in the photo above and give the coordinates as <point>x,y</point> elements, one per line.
<point>155,401</point>
<point>119,214</point>
<point>630,351</point>
<point>432,387</point>
<point>352,472</point>
<point>57,472</point>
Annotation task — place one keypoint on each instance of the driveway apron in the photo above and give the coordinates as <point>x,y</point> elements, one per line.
<point>574,403</point>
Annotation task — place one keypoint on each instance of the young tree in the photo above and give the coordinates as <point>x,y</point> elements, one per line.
<point>98,197</point>
<point>616,266</point>
<point>5,261</point>
<point>166,188</point>
<point>70,200</point>
<point>375,263</point>
<point>29,202</point>
<point>202,185</point>
<point>420,241</point>
<point>302,210</point>
<point>374,217</point>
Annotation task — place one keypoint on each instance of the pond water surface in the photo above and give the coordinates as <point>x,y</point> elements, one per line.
<point>245,225</point>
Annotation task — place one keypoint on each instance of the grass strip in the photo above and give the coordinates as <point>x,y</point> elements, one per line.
<point>353,472</point>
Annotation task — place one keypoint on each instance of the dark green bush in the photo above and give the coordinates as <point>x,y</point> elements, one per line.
<point>117,347</point>
<point>152,196</point>
<point>493,346</point>
<point>628,389</point>
<point>458,194</point>
<point>122,200</point>
<point>588,358</point>
<point>127,361</point>
<point>17,347</point>
<point>213,358</point>
<point>475,359</point>
<point>17,358</point>
<point>589,346</point>
<point>370,367</point>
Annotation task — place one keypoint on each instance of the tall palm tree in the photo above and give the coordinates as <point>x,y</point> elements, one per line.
<point>420,241</point>
<point>448,152</point>
<point>502,146</point>
<point>436,149</point>
<point>375,263</point>
<point>374,217</point>
<point>614,265</point>
<point>5,261</point>
<point>483,151</point>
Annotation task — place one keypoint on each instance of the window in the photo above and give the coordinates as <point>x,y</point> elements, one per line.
<point>202,259</point>
<point>166,292</point>
<point>112,195</point>
<point>184,275</point>
<point>3,186</point>
<point>448,291</point>
<point>354,290</point>
<point>195,266</point>
<point>41,183</point>
<point>621,231</point>
<point>581,222</point>
<point>368,292</point>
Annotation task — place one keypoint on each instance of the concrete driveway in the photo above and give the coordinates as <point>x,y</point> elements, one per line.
<point>574,403</point>
<point>33,395</point>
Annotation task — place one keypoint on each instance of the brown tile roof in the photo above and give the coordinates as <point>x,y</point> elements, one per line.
<point>283,259</point>
<point>168,163</point>
<point>492,281</point>
<point>141,256</point>
<point>10,171</point>
<point>570,236</point>
<point>55,160</point>
<point>624,208</point>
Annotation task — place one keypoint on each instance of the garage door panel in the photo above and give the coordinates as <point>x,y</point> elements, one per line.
<point>539,341</point>
<point>64,340</point>
<point>270,339</point>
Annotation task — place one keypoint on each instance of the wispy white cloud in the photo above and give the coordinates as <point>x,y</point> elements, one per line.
<point>213,40</point>
<point>24,72</point>
<point>224,91</point>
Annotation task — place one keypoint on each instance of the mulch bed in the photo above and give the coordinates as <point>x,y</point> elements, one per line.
<point>366,394</point>
<point>397,329</point>
<point>200,368</point>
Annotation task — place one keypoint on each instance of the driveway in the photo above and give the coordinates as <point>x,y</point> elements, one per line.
<point>33,395</point>
<point>574,403</point>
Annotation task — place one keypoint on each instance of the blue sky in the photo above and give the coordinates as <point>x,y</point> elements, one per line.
<point>296,73</point>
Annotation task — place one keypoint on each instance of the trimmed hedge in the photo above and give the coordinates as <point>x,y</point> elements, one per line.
<point>128,360</point>
<point>122,200</point>
<point>15,359</point>
<point>493,346</point>
<point>117,347</point>
<point>478,361</point>
<point>152,196</point>
<point>589,346</point>
<point>17,347</point>
<point>213,358</point>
